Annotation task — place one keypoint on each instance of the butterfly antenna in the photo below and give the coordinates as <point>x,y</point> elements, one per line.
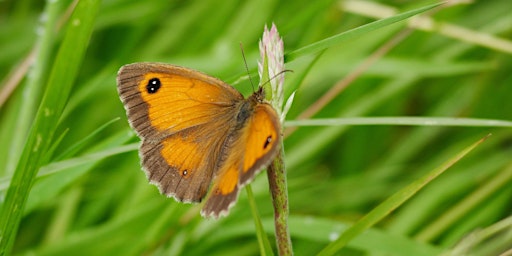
<point>246,67</point>
<point>276,75</point>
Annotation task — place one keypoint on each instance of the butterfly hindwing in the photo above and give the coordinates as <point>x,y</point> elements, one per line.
<point>180,165</point>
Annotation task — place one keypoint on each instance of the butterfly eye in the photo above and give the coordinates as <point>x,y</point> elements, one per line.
<point>153,85</point>
<point>267,142</point>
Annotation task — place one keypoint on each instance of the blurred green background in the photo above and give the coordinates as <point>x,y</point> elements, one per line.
<point>90,196</point>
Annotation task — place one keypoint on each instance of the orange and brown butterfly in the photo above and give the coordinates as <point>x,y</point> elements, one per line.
<point>198,133</point>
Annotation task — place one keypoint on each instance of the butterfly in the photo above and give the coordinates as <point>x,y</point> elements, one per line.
<point>201,139</point>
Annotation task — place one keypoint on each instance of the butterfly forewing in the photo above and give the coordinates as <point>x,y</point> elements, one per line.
<point>162,99</point>
<point>253,148</point>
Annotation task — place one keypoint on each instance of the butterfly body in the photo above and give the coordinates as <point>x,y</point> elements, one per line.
<point>198,133</point>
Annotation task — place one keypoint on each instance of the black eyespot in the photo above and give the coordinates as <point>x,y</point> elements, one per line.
<point>185,172</point>
<point>267,142</point>
<point>153,85</point>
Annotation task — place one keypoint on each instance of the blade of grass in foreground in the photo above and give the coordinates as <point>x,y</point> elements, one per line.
<point>336,39</point>
<point>491,240</point>
<point>487,191</point>
<point>263,242</point>
<point>401,120</point>
<point>64,71</point>
<point>393,202</point>
<point>37,76</point>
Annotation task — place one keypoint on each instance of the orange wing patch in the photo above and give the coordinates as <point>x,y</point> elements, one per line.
<point>225,189</point>
<point>180,166</point>
<point>181,153</point>
<point>262,136</point>
<point>181,102</point>
<point>262,141</point>
<point>228,180</point>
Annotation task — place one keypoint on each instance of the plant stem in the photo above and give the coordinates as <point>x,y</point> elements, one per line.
<point>278,188</point>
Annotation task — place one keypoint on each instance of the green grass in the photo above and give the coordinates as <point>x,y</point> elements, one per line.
<point>70,180</point>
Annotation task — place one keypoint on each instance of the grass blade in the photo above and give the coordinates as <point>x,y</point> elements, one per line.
<point>401,120</point>
<point>64,72</point>
<point>393,202</point>
<point>336,39</point>
<point>264,243</point>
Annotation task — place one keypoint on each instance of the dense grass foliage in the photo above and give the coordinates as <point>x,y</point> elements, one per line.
<point>70,179</point>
